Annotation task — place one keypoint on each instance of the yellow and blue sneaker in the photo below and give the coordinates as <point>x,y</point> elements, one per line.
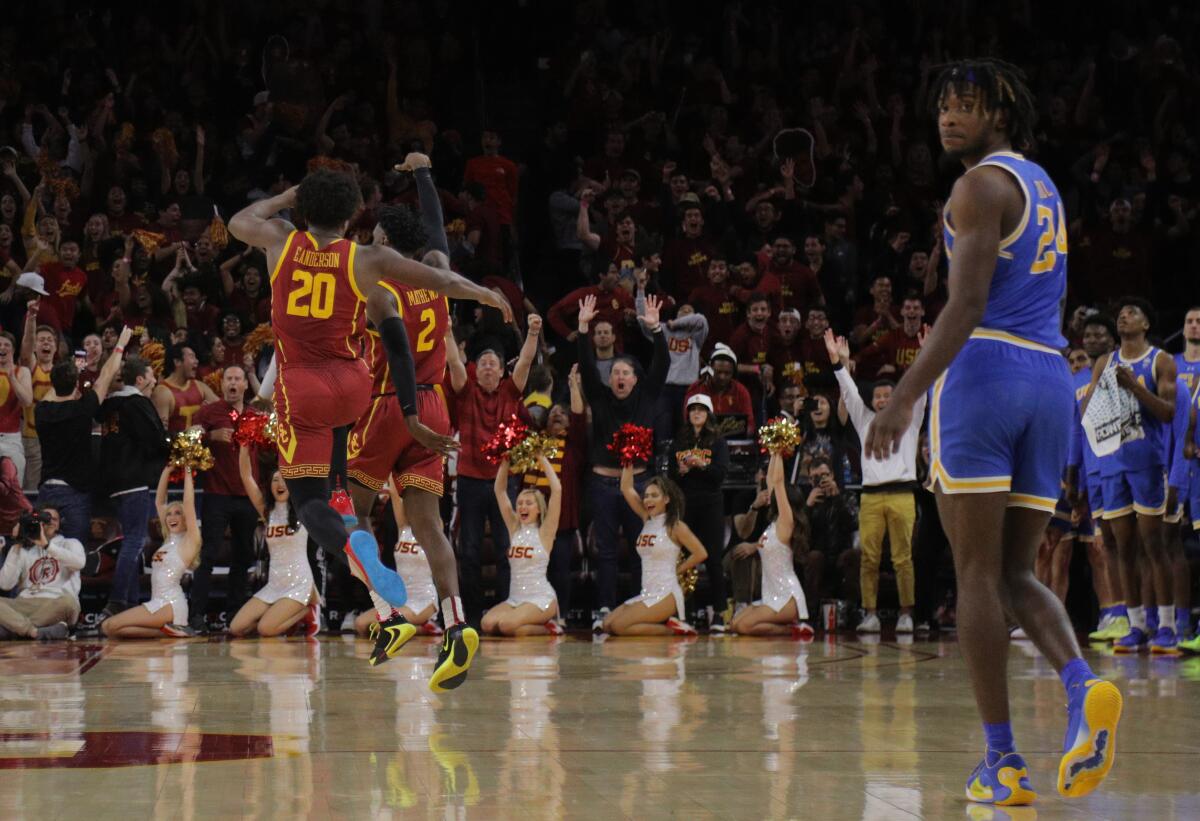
<point>1000,779</point>
<point>1134,641</point>
<point>1118,627</point>
<point>1164,642</point>
<point>1091,741</point>
<point>458,648</point>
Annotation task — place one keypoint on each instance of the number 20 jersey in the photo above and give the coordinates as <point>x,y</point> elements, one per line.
<point>317,311</point>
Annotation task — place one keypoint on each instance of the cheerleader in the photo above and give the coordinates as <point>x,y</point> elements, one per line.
<point>413,567</point>
<point>531,605</point>
<point>290,592</point>
<point>658,609</point>
<point>167,610</point>
<point>782,609</point>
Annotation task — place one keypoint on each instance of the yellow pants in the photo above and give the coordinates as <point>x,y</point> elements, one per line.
<point>893,514</point>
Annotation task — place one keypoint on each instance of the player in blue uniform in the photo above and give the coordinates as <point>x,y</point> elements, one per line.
<point>1135,486</point>
<point>1084,489</point>
<point>1000,419</point>
<point>1181,471</point>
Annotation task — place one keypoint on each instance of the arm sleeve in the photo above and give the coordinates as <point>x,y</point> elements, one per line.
<point>593,389</point>
<point>660,364</point>
<point>720,463</point>
<point>859,414</point>
<point>400,362</point>
<point>431,211</point>
<point>69,553</point>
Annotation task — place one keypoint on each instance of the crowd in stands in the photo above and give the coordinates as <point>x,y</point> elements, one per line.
<point>763,180</point>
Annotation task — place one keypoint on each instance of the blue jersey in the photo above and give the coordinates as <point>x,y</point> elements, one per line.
<point>1029,286</point>
<point>1179,470</point>
<point>1189,372</point>
<point>1147,452</point>
<point>1081,454</point>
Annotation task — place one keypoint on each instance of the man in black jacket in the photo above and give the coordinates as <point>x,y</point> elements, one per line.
<point>831,530</point>
<point>626,399</point>
<point>133,450</point>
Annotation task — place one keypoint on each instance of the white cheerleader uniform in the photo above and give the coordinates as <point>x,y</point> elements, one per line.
<point>166,573</point>
<point>413,567</point>
<point>779,581</point>
<point>528,560</point>
<point>290,575</point>
<point>660,556</point>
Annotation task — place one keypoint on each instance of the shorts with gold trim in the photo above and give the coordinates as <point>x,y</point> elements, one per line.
<point>312,400</point>
<point>1135,491</point>
<point>1063,520</point>
<point>1000,421</point>
<point>380,444</point>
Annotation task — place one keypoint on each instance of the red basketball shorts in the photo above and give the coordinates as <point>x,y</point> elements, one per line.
<point>312,400</point>
<point>380,444</point>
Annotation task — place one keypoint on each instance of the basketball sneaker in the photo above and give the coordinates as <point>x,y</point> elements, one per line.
<point>554,628</point>
<point>1164,642</point>
<point>680,628</point>
<point>869,624</point>
<point>904,624</point>
<point>1117,628</point>
<point>1101,631</point>
<point>803,631</point>
<point>1132,642</point>
<point>340,501</point>
<point>176,631</point>
<point>458,649</point>
<point>1090,744</point>
<point>393,634</point>
<point>1002,780</point>
<point>1191,645</point>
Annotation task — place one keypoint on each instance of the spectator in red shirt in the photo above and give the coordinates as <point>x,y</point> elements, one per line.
<point>715,301</point>
<point>731,400</point>
<point>797,284</point>
<point>874,320</point>
<point>231,335</point>
<point>894,352</point>
<point>686,257</point>
<point>483,240</point>
<point>786,356</point>
<point>65,282</point>
<point>752,344</point>
<point>746,281</point>
<point>483,400</point>
<point>249,295</point>
<point>611,164</point>
<point>818,371</point>
<point>201,317</point>
<point>647,214</point>
<point>498,175</point>
<point>225,500</point>
<point>121,221</point>
<point>614,305</point>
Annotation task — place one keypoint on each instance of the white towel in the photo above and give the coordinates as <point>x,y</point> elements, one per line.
<point>1114,416</point>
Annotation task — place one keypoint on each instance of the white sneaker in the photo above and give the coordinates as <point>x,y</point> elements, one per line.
<point>904,624</point>
<point>1018,634</point>
<point>870,624</point>
<point>598,621</point>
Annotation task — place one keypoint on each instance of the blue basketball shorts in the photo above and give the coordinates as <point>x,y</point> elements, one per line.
<point>1135,491</point>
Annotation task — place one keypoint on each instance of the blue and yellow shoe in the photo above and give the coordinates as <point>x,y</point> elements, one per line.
<point>391,636</point>
<point>458,648</point>
<point>1132,642</point>
<point>1091,741</point>
<point>1191,645</point>
<point>1164,642</point>
<point>1002,780</point>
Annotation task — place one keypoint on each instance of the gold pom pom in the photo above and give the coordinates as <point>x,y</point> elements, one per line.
<point>688,579</point>
<point>189,451</point>
<point>524,456</point>
<point>262,335</point>
<point>154,353</point>
<point>780,435</point>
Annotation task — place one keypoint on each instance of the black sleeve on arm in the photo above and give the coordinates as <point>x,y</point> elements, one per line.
<point>660,364</point>
<point>400,362</point>
<point>593,389</point>
<point>431,211</point>
<point>720,462</point>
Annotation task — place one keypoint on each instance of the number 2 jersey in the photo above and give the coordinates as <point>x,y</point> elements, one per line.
<point>426,316</point>
<point>317,310</point>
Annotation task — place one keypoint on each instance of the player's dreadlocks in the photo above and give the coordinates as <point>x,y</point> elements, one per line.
<point>1002,87</point>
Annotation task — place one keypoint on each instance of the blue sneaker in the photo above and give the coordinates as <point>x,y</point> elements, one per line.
<point>1164,642</point>
<point>1132,642</point>
<point>1002,780</point>
<point>363,550</point>
<point>1091,741</point>
<point>1152,624</point>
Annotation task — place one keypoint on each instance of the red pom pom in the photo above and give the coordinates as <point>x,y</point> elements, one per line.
<point>632,444</point>
<point>506,437</point>
<point>249,428</point>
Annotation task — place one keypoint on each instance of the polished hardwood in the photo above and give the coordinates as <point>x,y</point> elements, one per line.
<point>722,728</point>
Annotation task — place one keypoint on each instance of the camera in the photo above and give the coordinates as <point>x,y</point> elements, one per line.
<point>808,404</point>
<point>31,524</point>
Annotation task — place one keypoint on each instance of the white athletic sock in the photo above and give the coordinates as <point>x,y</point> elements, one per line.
<point>452,611</point>
<point>1137,617</point>
<point>382,608</point>
<point>1166,615</point>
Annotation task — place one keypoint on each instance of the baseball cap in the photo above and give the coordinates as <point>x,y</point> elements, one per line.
<point>721,350</point>
<point>33,282</point>
<point>690,197</point>
<point>700,399</point>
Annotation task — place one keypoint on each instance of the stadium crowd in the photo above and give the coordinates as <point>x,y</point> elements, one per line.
<point>761,179</point>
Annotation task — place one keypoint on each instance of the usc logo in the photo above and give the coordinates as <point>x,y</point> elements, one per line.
<point>408,548</point>
<point>520,552</point>
<point>681,345</point>
<point>646,540</point>
<point>279,531</point>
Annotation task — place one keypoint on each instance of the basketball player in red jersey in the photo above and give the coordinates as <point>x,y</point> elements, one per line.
<point>378,447</point>
<point>323,289</point>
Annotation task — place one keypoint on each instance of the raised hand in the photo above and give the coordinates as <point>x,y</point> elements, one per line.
<point>831,346</point>
<point>653,307</point>
<point>534,324</point>
<point>587,309</point>
<point>495,299</point>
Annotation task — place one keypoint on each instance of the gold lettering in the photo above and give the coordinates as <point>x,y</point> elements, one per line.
<point>317,259</point>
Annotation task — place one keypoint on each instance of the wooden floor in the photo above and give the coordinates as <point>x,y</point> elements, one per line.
<point>557,728</point>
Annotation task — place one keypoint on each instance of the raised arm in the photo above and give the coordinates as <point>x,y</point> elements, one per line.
<point>112,365</point>
<point>29,333</point>
<point>583,224</point>
<point>528,352</point>
<point>377,262</point>
<point>454,363</point>
<point>500,488</point>
<point>593,388</point>
<point>160,495</point>
<point>576,388</point>
<point>660,362</point>
<point>22,385</point>
<point>431,204</point>
<point>786,522</point>
<point>257,225</point>
<point>193,539</point>
<point>632,497</point>
<point>549,528</point>
<point>246,472</point>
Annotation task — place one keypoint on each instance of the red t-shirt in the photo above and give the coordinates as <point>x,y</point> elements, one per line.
<point>479,412</point>
<point>796,285</point>
<point>752,347</point>
<point>895,348</point>
<point>685,264</point>
<point>223,479</point>
<point>486,220</point>
<point>723,312</point>
<point>733,400</point>
<point>498,176</point>
<point>64,286</point>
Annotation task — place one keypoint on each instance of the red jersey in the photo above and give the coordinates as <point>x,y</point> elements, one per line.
<point>65,285</point>
<point>426,316</point>
<point>316,308</point>
<point>188,400</point>
<point>895,348</point>
<point>40,379</point>
<point>11,417</point>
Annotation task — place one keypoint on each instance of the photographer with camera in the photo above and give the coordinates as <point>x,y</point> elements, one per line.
<point>44,565</point>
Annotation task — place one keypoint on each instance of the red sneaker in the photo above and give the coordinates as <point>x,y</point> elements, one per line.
<point>681,628</point>
<point>803,631</point>
<point>554,628</point>
<point>432,628</point>
<point>340,501</point>
<point>312,620</point>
